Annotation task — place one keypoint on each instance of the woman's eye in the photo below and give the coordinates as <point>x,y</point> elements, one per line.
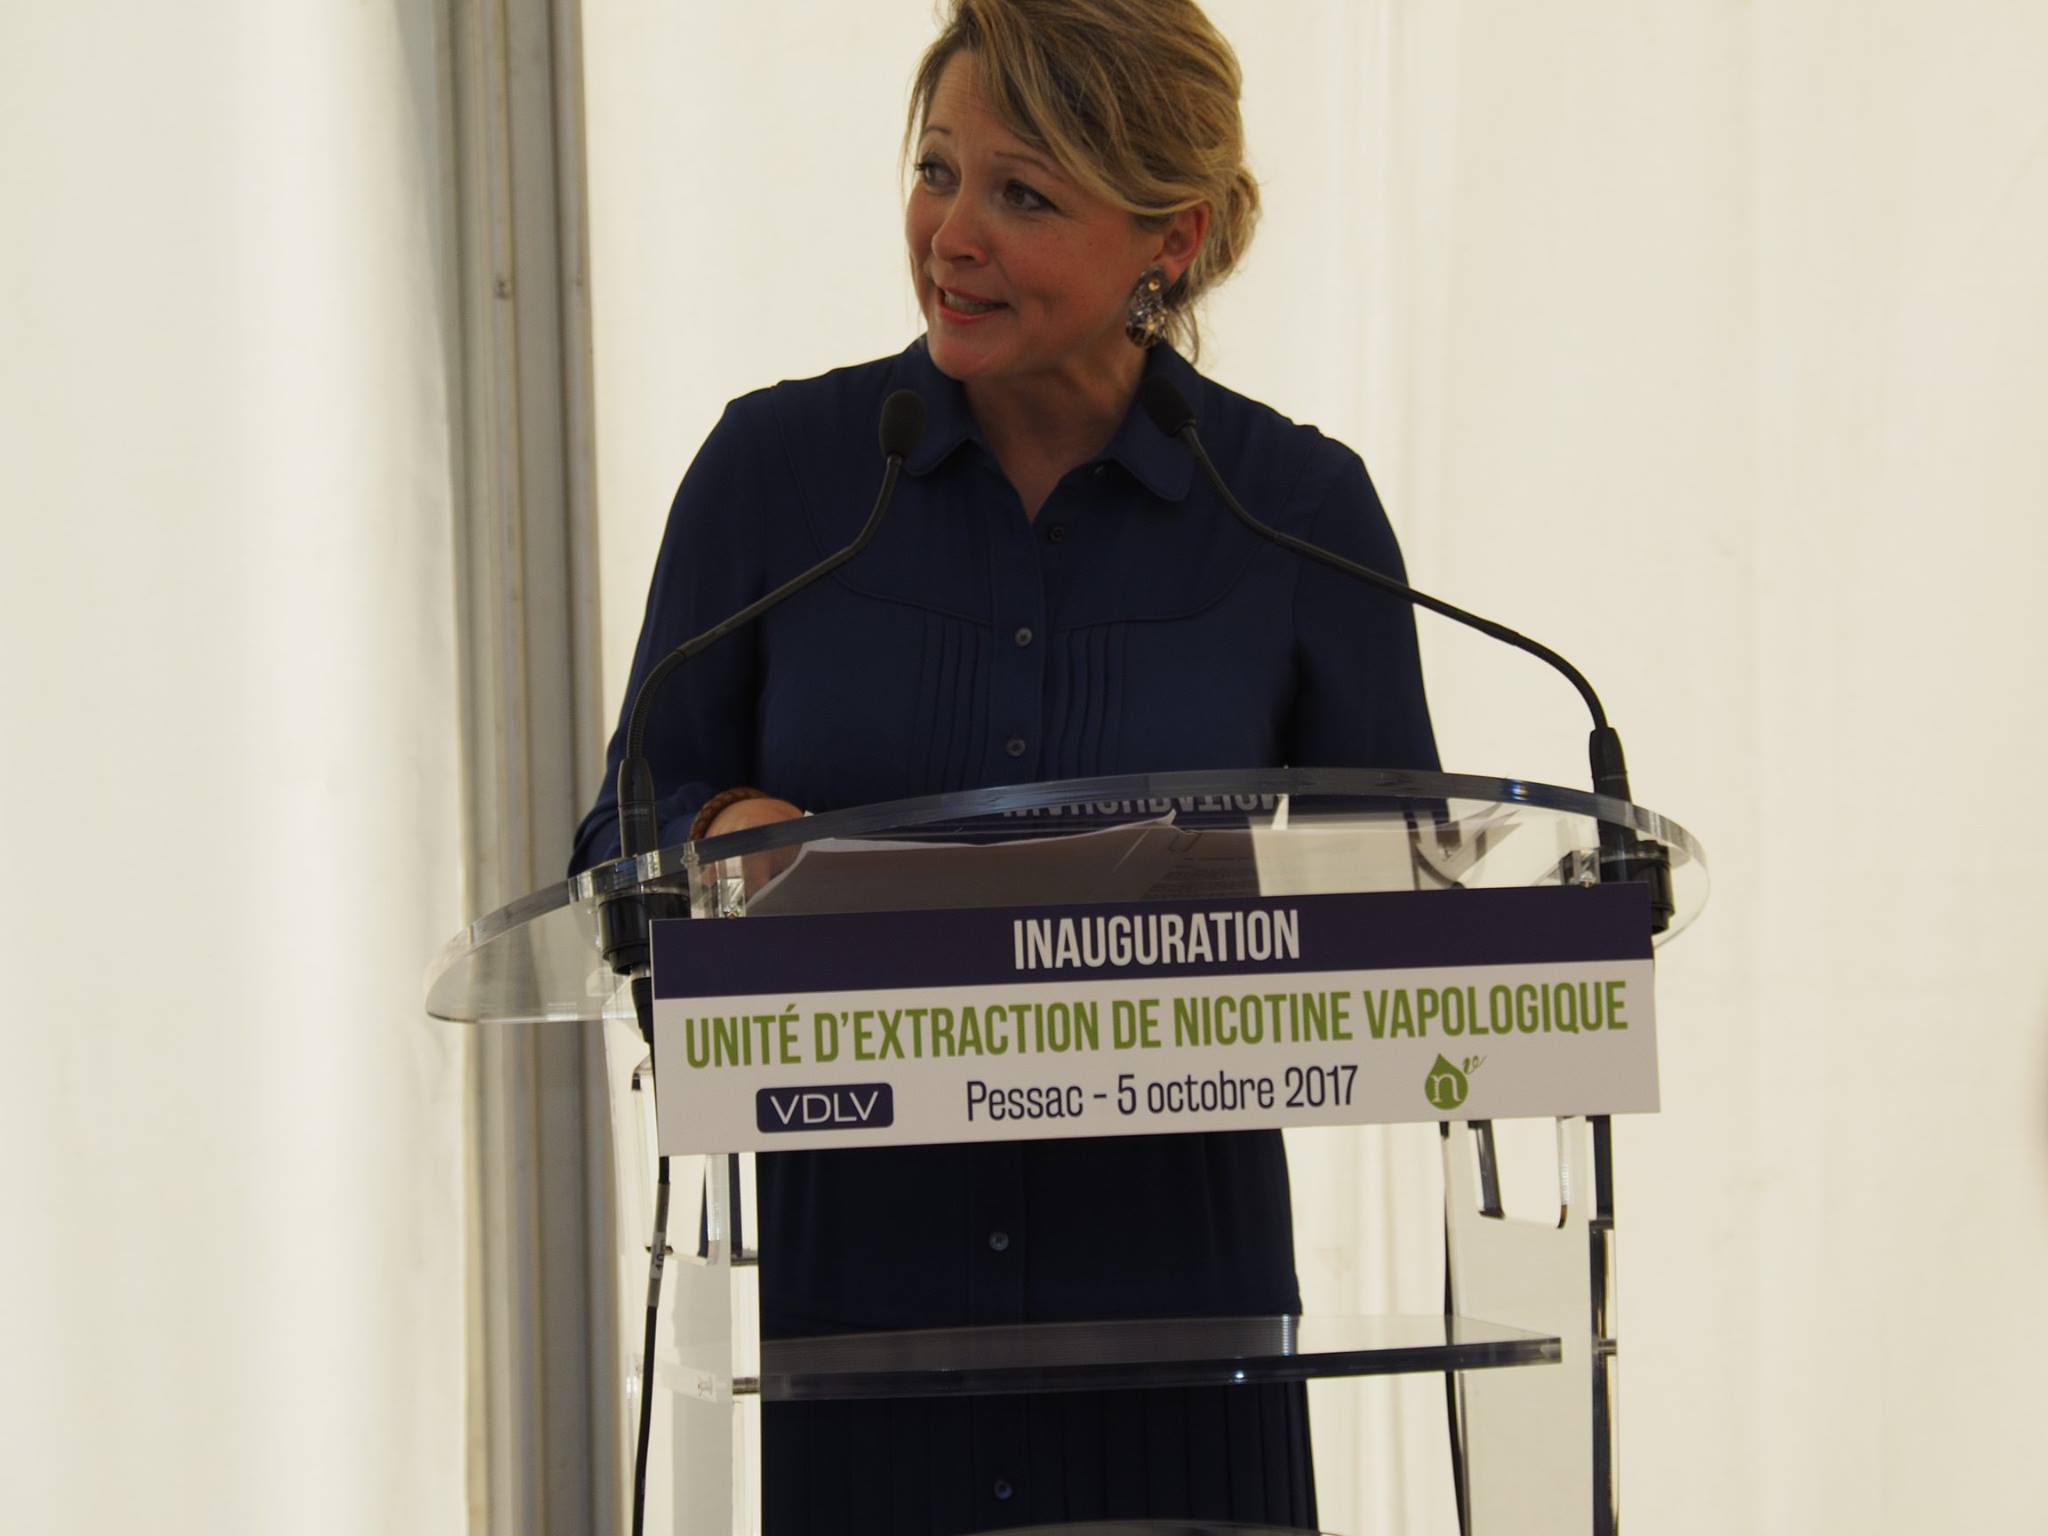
<point>931,172</point>
<point>1020,196</point>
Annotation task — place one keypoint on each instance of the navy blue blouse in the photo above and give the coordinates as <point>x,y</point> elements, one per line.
<point>1133,626</point>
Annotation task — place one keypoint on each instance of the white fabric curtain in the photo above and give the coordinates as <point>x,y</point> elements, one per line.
<point>1703,341</point>
<point>231,1264</point>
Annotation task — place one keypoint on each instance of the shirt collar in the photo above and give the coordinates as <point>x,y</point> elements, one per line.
<point>1162,466</point>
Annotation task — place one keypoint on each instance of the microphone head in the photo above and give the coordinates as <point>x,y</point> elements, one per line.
<point>902,424</point>
<point>1165,404</point>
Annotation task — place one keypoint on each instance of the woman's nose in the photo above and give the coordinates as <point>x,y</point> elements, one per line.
<point>960,235</point>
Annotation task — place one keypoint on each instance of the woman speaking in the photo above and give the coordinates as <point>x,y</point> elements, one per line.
<point>1055,594</point>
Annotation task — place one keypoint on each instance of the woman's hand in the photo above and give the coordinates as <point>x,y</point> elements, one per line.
<point>744,815</point>
<point>756,869</point>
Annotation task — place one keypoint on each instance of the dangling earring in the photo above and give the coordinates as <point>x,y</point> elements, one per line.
<point>1145,321</point>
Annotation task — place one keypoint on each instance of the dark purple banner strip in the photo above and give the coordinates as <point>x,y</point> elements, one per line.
<point>988,946</point>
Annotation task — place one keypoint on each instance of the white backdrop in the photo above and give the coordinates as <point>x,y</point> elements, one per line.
<point>1703,341</point>
<point>231,1293</point>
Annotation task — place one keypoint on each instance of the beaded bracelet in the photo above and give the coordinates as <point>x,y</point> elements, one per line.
<point>719,802</point>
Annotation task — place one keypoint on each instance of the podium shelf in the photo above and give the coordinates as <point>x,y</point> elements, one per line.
<point>1150,1352</point>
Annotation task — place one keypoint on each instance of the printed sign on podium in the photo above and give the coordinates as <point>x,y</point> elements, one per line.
<point>1122,1019</point>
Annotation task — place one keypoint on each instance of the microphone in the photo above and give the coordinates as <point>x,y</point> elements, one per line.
<point>1623,856</point>
<point>902,424</point>
<point>625,921</point>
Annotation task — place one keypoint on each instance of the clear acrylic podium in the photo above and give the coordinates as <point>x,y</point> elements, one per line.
<point>1533,1337</point>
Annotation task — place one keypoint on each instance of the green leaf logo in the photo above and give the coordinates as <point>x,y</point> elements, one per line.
<point>1446,1085</point>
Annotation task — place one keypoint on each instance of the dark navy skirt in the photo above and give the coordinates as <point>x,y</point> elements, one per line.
<point>1006,1233</point>
<point>934,1466</point>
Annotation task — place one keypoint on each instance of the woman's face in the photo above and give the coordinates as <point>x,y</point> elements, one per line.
<point>1019,272</point>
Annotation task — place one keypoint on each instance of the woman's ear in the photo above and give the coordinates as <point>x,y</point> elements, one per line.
<point>1180,242</point>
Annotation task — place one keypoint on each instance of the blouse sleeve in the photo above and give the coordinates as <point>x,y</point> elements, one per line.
<point>713,561</point>
<point>1360,701</point>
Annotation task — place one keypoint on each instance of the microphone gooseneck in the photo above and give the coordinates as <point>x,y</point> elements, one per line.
<point>1170,412</point>
<point>902,425</point>
<point>625,939</point>
<point>1621,855</point>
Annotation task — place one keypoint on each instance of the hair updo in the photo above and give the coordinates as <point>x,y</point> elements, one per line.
<point>1134,99</point>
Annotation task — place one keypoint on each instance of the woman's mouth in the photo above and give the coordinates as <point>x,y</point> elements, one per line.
<point>960,304</point>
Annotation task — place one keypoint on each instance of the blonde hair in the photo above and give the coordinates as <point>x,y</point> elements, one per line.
<point>1134,99</point>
